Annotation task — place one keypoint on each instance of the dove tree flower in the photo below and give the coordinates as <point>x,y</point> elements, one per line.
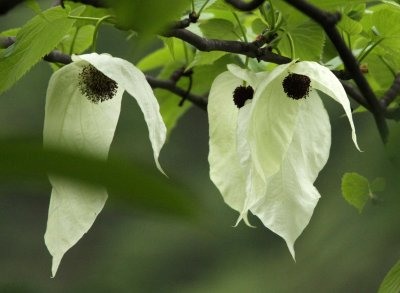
<point>83,104</point>
<point>267,148</point>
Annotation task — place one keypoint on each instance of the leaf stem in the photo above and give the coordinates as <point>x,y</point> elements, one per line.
<point>240,26</point>
<point>272,14</point>
<point>384,61</point>
<point>185,50</point>
<point>202,7</point>
<point>368,50</point>
<point>71,49</point>
<point>83,18</point>
<point>291,43</point>
<point>96,30</point>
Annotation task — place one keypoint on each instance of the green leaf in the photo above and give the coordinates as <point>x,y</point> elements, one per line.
<point>149,17</point>
<point>170,44</point>
<point>392,3</point>
<point>161,57</point>
<point>219,29</point>
<point>355,190</point>
<point>32,4</point>
<point>378,184</point>
<point>80,38</point>
<point>35,39</point>
<point>170,109</point>
<point>349,25</point>
<point>384,24</point>
<point>205,58</point>
<point>308,39</point>
<point>258,26</point>
<point>169,102</point>
<point>199,3</point>
<point>391,282</point>
<point>10,33</point>
<point>88,11</point>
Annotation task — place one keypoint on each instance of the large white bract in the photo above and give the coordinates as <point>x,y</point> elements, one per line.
<point>265,156</point>
<point>75,124</point>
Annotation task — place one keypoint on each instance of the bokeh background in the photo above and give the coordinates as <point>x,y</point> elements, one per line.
<point>132,249</point>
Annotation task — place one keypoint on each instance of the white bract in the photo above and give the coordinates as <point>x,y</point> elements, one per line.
<point>265,156</point>
<point>75,124</point>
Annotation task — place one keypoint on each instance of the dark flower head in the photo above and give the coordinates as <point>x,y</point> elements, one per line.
<point>296,86</point>
<point>96,86</point>
<point>242,94</point>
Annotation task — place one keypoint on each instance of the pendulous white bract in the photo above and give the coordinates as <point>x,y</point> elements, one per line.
<point>75,124</point>
<point>265,156</point>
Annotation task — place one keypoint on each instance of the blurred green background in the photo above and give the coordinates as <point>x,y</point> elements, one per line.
<point>131,249</point>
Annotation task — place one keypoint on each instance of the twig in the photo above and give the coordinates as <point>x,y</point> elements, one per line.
<point>169,85</point>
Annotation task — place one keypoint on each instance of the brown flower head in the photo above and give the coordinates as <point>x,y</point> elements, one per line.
<point>96,86</point>
<point>296,86</point>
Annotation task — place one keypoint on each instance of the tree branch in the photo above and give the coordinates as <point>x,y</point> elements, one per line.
<point>245,6</point>
<point>248,49</point>
<point>328,22</point>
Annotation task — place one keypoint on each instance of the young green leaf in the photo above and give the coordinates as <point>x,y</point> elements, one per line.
<point>308,40</point>
<point>219,29</point>
<point>391,282</point>
<point>151,18</point>
<point>34,40</point>
<point>378,184</point>
<point>162,56</point>
<point>355,190</point>
<point>78,39</point>
<point>205,58</point>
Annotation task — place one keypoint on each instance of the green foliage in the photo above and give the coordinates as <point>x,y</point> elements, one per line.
<point>163,56</point>
<point>217,28</point>
<point>308,41</point>
<point>150,17</point>
<point>78,39</point>
<point>391,283</point>
<point>206,58</point>
<point>34,40</point>
<point>357,190</point>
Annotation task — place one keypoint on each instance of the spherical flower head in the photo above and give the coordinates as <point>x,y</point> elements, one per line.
<point>96,86</point>
<point>242,94</point>
<point>296,86</point>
